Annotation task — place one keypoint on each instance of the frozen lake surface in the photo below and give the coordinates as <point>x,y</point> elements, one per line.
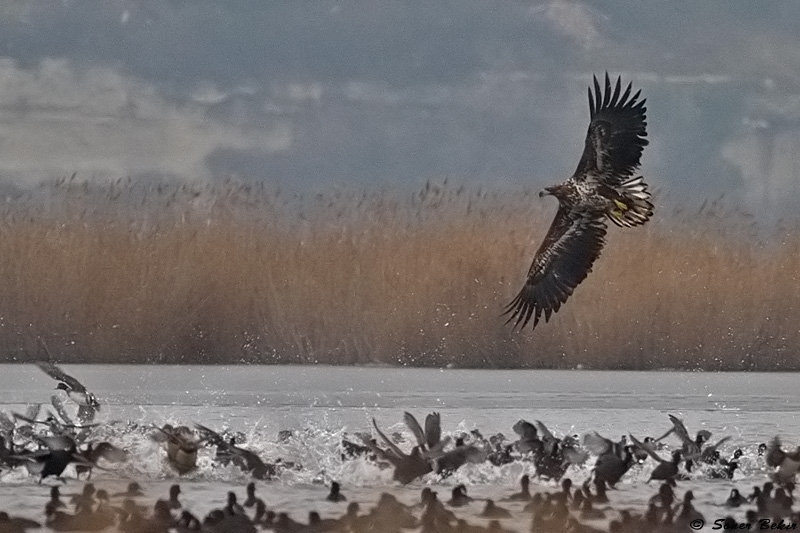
<point>321,404</point>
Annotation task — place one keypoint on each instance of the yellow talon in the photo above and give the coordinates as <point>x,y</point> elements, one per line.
<point>622,207</point>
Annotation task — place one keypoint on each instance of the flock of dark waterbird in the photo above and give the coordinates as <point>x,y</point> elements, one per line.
<point>47,446</point>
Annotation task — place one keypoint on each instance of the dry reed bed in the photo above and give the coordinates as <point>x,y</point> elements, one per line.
<point>131,273</point>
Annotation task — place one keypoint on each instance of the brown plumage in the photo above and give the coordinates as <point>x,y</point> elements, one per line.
<point>601,188</point>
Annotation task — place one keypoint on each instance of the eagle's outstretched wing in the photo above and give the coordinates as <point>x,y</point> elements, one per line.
<point>617,134</point>
<point>564,259</point>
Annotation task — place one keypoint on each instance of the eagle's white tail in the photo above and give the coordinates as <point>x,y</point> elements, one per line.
<point>634,207</point>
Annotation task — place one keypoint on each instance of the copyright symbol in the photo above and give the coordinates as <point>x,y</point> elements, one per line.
<point>696,524</point>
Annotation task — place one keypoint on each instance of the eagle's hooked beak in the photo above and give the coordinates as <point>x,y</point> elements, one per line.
<point>546,190</point>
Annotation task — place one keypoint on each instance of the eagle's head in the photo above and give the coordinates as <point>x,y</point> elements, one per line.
<point>555,190</point>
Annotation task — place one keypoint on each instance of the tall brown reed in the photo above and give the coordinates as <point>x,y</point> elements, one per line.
<point>234,273</point>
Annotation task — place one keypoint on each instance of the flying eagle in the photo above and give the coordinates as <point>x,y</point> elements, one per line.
<point>601,188</point>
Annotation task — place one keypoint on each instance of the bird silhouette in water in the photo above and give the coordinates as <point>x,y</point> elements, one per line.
<point>335,495</point>
<point>786,464</point>
<point>229,452</point>
<point>86,401</point>
<point>664,469</point>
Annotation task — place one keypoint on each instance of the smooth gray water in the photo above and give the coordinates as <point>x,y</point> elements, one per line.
<point>323,403</point>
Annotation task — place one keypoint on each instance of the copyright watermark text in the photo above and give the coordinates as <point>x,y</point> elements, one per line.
<point>728,524</point>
